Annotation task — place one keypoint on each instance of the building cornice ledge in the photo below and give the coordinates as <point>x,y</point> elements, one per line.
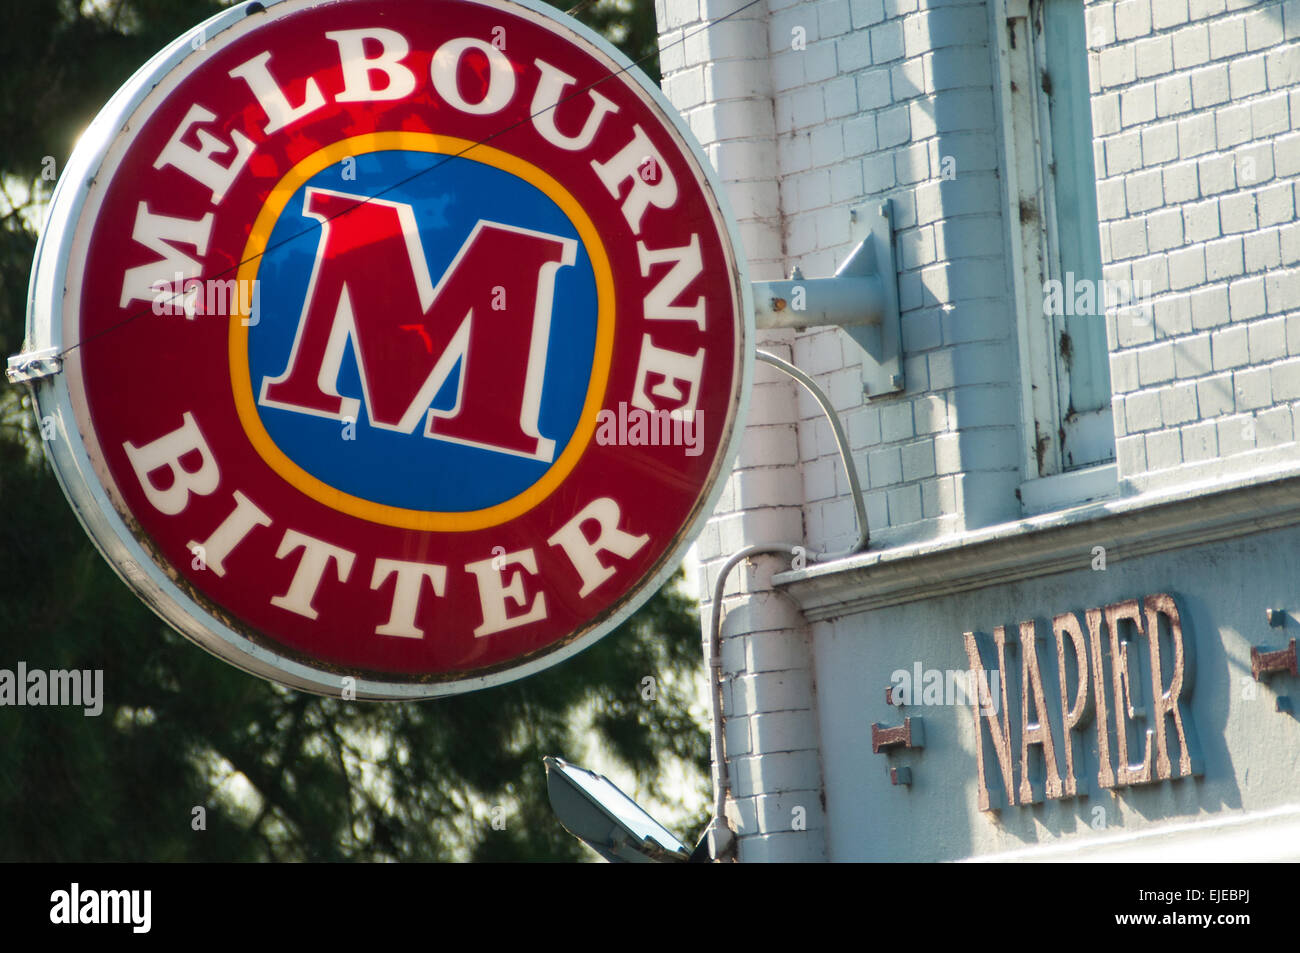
<point>1050,543</point>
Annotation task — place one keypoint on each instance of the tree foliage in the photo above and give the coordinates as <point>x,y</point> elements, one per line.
<point>281,775</point>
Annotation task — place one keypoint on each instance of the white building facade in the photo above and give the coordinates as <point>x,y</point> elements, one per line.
<point>1086,483</point>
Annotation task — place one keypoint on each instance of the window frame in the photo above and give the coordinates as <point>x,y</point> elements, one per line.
<point>1052,431</point>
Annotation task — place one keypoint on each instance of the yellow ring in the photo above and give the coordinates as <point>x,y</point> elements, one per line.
<point>380,512</point>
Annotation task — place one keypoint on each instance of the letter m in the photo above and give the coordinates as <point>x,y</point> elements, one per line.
<point>490,313</point>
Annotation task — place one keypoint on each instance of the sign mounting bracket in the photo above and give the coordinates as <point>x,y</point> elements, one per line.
<point>861,297</point>
<point>33,365</point>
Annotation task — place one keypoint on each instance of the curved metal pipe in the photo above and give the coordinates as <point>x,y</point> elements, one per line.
<point>721,774</point>
<point>841,441</point>
<point>721,778</point>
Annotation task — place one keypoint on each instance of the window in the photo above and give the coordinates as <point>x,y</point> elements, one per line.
<point>1056,249</point>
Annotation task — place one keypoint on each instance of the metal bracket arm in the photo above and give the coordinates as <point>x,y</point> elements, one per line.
<point>817,302</point>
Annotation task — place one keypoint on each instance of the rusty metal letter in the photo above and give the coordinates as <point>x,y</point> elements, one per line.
<point>1038,732</point>
<point>1167,703</point>
<point>1105,776</point>
<point>999,720</point>
<point>1125,689</point>
<point>1067,623</point>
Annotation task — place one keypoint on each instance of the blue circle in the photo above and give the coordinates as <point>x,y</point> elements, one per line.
<point>449,196</point>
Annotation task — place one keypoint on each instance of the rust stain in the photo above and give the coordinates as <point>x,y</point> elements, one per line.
<point>1066,347</point>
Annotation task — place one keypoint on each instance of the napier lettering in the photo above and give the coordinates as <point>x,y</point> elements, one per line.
<point>1097,675</point>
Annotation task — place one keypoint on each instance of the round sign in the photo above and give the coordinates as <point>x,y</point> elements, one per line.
<point>402,343</point>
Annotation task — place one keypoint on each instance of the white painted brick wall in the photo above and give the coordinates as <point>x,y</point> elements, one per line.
<point>867,101</point>
<point>1205,182</point>
<point>809,108</point>
<point>720,76</point>
<point>921,92</point>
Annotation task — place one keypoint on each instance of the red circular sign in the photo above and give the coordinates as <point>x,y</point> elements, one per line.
<point>403,342</point>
